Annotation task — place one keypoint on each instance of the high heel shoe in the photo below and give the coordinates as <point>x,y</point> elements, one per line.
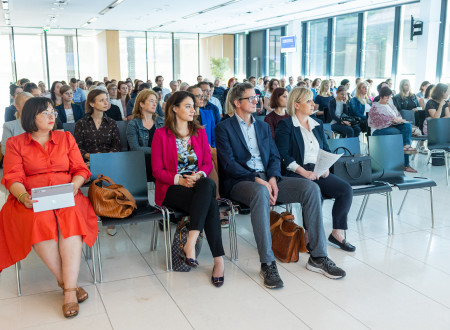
<point>72,306</point>
<point>82,295</point>
<point>188,261</point>
<point>217,281</point>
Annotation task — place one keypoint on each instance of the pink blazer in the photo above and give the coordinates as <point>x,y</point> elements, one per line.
<point>165,159</point>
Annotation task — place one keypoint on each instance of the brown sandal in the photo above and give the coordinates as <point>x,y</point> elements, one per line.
<point>72,306</point>
<point>82,295</point>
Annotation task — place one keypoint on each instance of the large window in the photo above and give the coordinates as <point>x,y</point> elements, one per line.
<point>240,56</point>
<point>186,57</point>
<point>407,65</point>
<point>378,39</point>
<point>317,49</point>
<point>345,45</point>
<point>275,55</point>
<point>257,53</point>
<point>92,54</point>
<point>30,54</point>
<point>62,54</point>
<point>132,55</point>
<point>445,76</point>
<point>6,72</point>
<point>159,53</point>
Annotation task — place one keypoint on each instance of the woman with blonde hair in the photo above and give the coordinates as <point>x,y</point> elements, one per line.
<point>141,128</point>
<point>360,104</point>
<point>406,99</point>
<point>299,140</point>
<point>322,100</point>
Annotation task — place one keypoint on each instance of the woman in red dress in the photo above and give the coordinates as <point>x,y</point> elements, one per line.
<point>37,158</point>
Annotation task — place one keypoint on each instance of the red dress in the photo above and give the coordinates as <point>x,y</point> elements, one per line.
<point>27,162</point>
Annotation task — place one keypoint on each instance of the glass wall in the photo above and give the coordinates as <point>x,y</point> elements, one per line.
<point>30,55</point>
<point>62,55</point>
<point>317,49</point>
<point>133,62</point>
<point>445,76</point>
<point>378,38</point>
<point>159,54</point>
<point>6,71</point>
<point>92,54</point>
<point>257,53</point>
<point>186,57</point>
<point>345,46</point>
<point>240,58</point>
<point>275,55</point>
<point>408,49</point>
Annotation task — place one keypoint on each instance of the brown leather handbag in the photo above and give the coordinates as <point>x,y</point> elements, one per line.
<point>109,199</point>
<point>288,238</point>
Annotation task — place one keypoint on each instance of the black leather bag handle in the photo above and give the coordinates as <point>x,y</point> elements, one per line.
<point>343,148</point>
<point>361,166</point>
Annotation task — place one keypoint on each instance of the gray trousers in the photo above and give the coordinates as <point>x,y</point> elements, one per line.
<point>291,190</point>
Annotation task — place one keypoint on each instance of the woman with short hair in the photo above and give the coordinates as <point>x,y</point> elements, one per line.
<point>181,162</point>
<point>68,112</point>
<point>273,84</point>
<point>38,158</point>
<point>278,102</point>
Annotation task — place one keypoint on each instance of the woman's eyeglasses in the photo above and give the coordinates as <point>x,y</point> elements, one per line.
<point>48,114</point>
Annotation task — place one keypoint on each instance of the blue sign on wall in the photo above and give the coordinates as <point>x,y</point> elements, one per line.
<point>288,44</point>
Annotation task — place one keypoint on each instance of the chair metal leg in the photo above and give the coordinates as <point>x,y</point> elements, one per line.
<point>392,213</point>
<point>19,286</point>
<point>403,202</point>
<point>165,215</point>
<point>87,252</point>
<point>446,165</point>
<point>169,240</point>
<point>432,208</point>
<point>362,209</point>
<point>155,233</point>
<point>99,256</point>
<point>388,213</point>
<point>94,268</point>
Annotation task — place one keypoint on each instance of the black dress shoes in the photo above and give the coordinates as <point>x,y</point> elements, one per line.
<point>346,246</point>
<point>217,281</point>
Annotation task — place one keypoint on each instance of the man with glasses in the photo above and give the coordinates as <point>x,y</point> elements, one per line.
<point>207,105</point>
<point>250,163</point>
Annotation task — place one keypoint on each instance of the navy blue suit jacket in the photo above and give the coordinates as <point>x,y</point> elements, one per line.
<point>233,154</point>
<point>290,143</point>
<point>78,112</point>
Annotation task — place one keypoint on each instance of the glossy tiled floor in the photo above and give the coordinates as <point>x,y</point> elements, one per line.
<point>393,282</point>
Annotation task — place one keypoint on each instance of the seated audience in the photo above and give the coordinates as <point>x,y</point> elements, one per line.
<point>337,107</point>
<point>260,104</point>
<point>23,81</point>
<point>218,90</point>
<point>184,86</point>
<point>278,102</point>
<point>422,89</point>
<point>32,88</point>
<point>215,101</point>
<point>322,100</point>
<point>38,158</point>
<point>423,102</point>
<point>207,105</point>
<point>173,88</point>
<point>135,91</point>
<point>78,95</point>
<point>231,83</point>
<point>130,104</point>
<point>43,89</point>
<point>384,119</point>
<point>346,84</point>
<point>250,163</point>
<point>406,99</point>
<point>291,84</point>
<point>124,96</point>
<point>315,87</point>
<point>55,95</point>
<point>299,140</point>
<point>13,128</point>
<point>437,106</point>
<point>141,128</point>
<point>357,81</point>
<point>10,111</point>
<point>360,105</point>
<point>69,112</point>
<point>112,91</point>
<point>273,84</point>
<point>181,162</point>
<point>390,84</point>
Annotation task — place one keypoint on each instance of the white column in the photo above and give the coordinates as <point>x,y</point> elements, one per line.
<point>427,43</point>
<point>294,60</point>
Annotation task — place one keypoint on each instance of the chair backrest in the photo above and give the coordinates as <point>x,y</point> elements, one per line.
<point>408,115</point>
<point>69,127</point>
<point>122,125</point>
<point>352,144</point>
<point>387,155</point>
<point>438,132</point>
<point>125,168</point>
<point>327,130</point>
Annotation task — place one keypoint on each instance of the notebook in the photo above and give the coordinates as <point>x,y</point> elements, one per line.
<point>53,197</point>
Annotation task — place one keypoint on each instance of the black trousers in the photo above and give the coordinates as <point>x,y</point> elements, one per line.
<point>334,187</point>
<point>201,205</point>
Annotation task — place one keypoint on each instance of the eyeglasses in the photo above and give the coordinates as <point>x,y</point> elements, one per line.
<point>199,96</point>
<point>251,99</point>
<point>48,114</point>
<point>206,92</point>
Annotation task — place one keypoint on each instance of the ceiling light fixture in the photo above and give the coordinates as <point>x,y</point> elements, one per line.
<point>111,6</point>
<point>93,19</point>
<point>226,28</point>
<point>160,25</point>
<point>211,9</point>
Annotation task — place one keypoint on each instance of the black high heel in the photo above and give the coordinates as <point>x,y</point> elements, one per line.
<point>217,281</point>
<point>188,261</point>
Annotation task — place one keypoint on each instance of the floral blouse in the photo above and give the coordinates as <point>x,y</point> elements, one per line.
<point>187,159</point>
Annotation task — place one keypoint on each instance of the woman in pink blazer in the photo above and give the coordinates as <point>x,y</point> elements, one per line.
<point>181,163</point>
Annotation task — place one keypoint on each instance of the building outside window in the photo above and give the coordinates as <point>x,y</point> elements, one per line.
<point>186,57</point>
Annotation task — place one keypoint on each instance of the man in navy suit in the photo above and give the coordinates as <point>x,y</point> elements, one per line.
<point>250,168</point>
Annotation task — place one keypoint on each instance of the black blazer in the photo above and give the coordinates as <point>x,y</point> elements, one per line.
<point>233,153</point>
<point>290,143</point>
<point>332,109</point>
<point>78,112</point>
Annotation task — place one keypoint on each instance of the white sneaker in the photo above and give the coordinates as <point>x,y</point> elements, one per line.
<point>111,231</point>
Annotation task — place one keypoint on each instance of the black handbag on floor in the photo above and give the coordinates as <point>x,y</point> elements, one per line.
<point>354,168</point>
<point>179,240</point>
